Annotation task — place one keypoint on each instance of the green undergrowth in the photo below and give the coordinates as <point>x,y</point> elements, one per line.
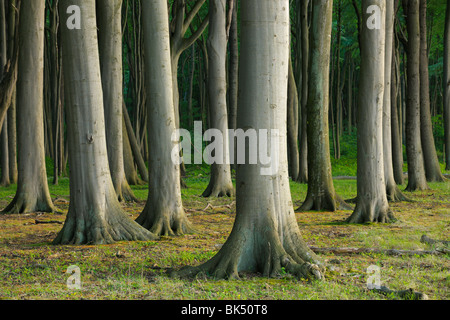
<point>32,268</point>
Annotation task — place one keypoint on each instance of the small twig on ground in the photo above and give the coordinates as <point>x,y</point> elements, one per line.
<point>47,222</point>
<point>428,240</point>
<point>391,252</point>
<point>408,294</point>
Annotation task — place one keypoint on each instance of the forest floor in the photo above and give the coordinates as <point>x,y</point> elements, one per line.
<point>32,268</point>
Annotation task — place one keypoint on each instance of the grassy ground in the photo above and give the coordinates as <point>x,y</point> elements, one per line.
<point>32,268</point>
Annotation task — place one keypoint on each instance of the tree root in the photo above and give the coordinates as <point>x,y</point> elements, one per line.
<point>321,203</point>
<point>218,191</point>
<point>371,213</point>
<point>21,204</point>
<point>165,224</point>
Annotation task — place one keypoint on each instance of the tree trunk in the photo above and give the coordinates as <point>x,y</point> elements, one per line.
<point>292,124</point>
<point>4,155</point>
<point>397,143</point>
<point>303,93</point>
<point>163,213</point>
<point>371,201</point>
<point>416,169</point>
<point>392,190</point>
<point>431,162</point>
<point>110,50</point>
<point>32,187</point>
<point>321,194</point>
<point>447,87</point>
<point>220,183</point>
<point>95,215</point>
<point>265,237</point>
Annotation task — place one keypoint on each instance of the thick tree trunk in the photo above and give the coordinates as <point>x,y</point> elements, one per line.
<point>95,215</point>
<point>447,87</point>
<point>416,169</point>
<point>110,50</point>
<point>371,201</point>
<point>163,213</point>
<point>32,187</point>
<point>233,68</point>
<point>431,162</point>
<point>321,194</point>
<point>220,183</point>
<point>265,236</point>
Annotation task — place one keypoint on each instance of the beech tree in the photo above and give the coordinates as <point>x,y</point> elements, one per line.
<point>95,215</point>
<point>321,194</point>
<point>265,236</point>
<point>431,162</point>
<point>392,190</point>
<point>371,201</point>
<point>447,87</point>
<point>220,180</point>
<point>163,213</point>
<point>32,188</point>
<point>110,49</point>
<point>414,153</point>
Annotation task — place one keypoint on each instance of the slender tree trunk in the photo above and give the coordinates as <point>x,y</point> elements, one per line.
<point>416,169</point>
<point>321,194</point>
<point>392,190</point>
<point>292,124</point>
<point>32,187</point>
<point>220,183</point>
<point>95,215</point>
<point>371,201</point>
<point>447,87</point>
<point>303,91</point>
<point>397,144</point>
<point>163,213</point>
<point>265,236</point>
<point>431,162</point>
<point>233,68</point>
<point>4,155</point>
<point>110,50</point>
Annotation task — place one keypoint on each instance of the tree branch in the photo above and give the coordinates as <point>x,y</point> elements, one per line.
<point>189,41</point>
<point>191,14</point>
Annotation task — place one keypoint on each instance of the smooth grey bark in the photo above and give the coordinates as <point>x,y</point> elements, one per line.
<point>303,91</point>
<point>163,213</point>
<point>181,22</point>
<point>32,188</point>
<point>4,155</point>
<point>371,201</point>
<point>95,215</point>
<point>233,69</point>
<point>321,194</point>
<point>431,162</point>
<point>447,87</point>
<point>110,50</point>
<point>416,169</point>
<point>265,236</point>
<point>292,124</point>
<point>392,190</point>
<point>397,143</point>
<point>220,183</point>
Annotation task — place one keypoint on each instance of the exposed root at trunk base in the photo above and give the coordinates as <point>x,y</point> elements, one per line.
<point>20,204</point>
<point>324,202</point>
<point>165,224</point>
<point>395,195</point>
<point>234,258</point>
<point>97,229</point>
<point>367,214</point>
<point>218,191</point>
